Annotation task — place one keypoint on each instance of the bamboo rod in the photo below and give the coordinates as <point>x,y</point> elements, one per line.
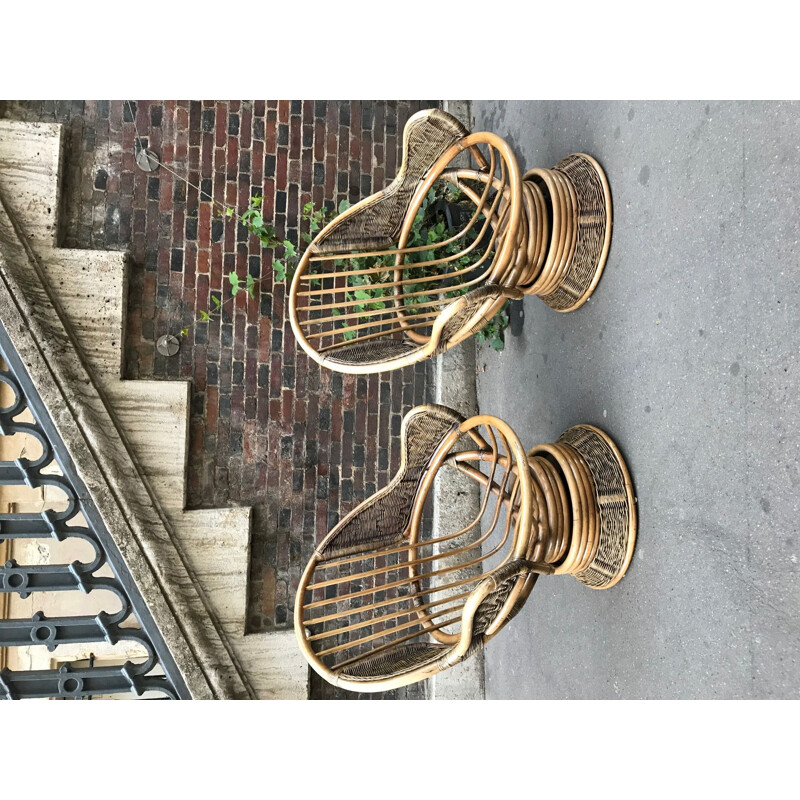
<point>371,621</point>
<point>380,634</point>
<point>339,667</point>
<point>359,326</point>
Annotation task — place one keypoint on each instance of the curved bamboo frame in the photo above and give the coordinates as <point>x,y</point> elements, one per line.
<point>380,605</point>
<point>545,233</point>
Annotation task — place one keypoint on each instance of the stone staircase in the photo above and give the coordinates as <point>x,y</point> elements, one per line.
<point>153,416</point>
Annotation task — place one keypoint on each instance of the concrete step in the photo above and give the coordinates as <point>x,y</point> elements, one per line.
<point>31,154</point>
<point>90,287</point>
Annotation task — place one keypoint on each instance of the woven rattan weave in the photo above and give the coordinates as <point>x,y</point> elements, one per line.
<point>380,606</point>
<point>366,299</point>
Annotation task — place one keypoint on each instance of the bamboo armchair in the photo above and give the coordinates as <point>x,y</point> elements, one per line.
<point>381,605</point>
<point>366,297</point>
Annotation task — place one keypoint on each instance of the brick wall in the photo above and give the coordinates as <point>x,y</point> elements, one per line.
<point>269,428</point>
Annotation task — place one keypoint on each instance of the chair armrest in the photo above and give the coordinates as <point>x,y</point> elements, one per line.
<point>486,603</point>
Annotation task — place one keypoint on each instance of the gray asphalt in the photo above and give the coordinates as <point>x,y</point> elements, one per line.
<point>687,355</point>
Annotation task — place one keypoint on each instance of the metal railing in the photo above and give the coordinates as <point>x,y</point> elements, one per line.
<point>124,619</point>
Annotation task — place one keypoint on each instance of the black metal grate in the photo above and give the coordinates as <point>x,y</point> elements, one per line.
<point>75,517</point>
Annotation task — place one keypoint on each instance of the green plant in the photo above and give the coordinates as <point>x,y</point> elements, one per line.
<point>430,227</point>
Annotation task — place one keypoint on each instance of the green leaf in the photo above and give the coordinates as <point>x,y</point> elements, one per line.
<point>308,208</point>
<point>343,206</point>
<point>255,202</point>
<point>251,282</point>
<point>362,295</point>
<point>306,237</point>
<point>185,332</point>
<point>215,300</point>
<point>290,251</point>
<point>280,269</point>
<point>204,316</point>
<point>234,281</point>
<point>229,212</point>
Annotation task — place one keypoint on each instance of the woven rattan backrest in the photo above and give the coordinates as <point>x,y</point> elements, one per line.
<point>382,604</point>
<point>367,296</point>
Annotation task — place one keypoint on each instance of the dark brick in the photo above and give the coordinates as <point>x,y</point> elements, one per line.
<point>366,115</point>
<point>208,118</point>
<point>205,189</point>
<point>101,179</point>
<point>320,108</point>
<point>283,135</point>
<point>319,174</point>
<point>233,124</point>
<point>258,129</point>
<point>358,456</point>
<point>156,112</point>
<point>311,453</point>
<point>191,228</point>
<point>153,188</point>
<point>237,373</point>
<point>322,487</point>
<point>178,191</point>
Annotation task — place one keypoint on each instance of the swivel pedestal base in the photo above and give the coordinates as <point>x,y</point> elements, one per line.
<point>587,517</point>
<point>567,233</point>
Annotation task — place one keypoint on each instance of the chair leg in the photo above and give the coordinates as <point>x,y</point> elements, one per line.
<point>570,243</point>
<point>586,524</point>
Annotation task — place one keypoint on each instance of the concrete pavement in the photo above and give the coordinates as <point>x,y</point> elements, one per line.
<point>687,355</point>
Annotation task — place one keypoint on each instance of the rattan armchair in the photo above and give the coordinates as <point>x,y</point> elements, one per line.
<point>367,298</point>
<point>381,605</point>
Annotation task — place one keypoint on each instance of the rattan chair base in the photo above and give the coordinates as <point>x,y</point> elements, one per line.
<point>614,505</point>
<point>583,235</point>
